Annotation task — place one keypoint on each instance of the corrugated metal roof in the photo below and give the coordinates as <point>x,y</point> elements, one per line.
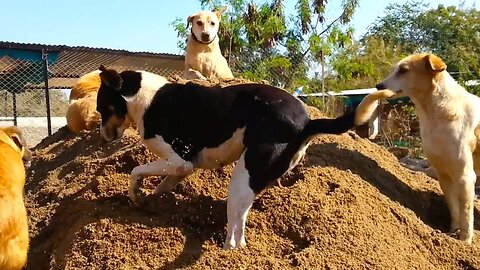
<point>39,47</point>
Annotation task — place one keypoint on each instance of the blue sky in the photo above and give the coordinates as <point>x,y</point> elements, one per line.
<point>141,25</point>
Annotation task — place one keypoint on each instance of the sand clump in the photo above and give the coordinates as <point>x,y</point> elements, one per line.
<point>350,205</point>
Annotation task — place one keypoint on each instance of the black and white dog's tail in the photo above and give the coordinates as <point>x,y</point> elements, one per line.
<point>342,124</point>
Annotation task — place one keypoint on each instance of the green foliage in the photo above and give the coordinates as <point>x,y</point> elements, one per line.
<point>182,32</point>
<point>453,34</point>
<point>449,32</point>
<point>399,26</point>
<point>362,65</point>
<point>474,89</point>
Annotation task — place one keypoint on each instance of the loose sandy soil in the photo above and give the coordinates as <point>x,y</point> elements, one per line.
<point>350,205</point>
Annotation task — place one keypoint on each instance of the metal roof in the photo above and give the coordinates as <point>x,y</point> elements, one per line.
<point>39,47</point>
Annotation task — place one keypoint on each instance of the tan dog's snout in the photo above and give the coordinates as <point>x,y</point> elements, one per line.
<point>205,37</point>
<point>380,86</point>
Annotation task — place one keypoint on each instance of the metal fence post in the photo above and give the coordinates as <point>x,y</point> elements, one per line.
<point>47,92</point>
<point>14,104</point>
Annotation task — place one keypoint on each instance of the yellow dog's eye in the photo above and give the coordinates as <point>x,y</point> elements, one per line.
<point>212,23</point>
<point>199,23</point>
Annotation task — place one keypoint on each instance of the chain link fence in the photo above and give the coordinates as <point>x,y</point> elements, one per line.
<point>34,94</point>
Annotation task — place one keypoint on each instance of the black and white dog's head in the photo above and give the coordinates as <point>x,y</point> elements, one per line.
<point>111,105</point>
<point>123,98</point>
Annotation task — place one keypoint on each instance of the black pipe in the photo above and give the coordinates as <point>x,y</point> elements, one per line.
<point>14,101</point>
<point>47,91</point>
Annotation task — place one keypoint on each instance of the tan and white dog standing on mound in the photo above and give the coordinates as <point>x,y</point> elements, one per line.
<point>204,59</point>
<point>449,127</point>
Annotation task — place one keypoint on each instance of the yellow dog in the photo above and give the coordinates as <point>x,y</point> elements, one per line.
<point>13,215</point>
<point>81,113</point>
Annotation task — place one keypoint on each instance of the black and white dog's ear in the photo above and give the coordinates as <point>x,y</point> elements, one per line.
<point>110,77</point>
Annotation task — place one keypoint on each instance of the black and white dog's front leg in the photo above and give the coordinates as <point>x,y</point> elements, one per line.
<point>240,199</point>
<point>169,182</point>
<point>174,168</point>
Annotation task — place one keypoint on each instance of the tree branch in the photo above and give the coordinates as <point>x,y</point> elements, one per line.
<point>323,31</point>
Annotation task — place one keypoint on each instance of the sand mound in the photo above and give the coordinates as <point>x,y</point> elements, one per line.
<point>213,81</point>
<point>349,206</point>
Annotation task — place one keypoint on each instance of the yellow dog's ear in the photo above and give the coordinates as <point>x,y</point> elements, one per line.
<point>20,142</point>
<point>190,19</point>
<point>16,139</point>
<point>15,133</point>
<point>220,11</point>
<point>434,63</point>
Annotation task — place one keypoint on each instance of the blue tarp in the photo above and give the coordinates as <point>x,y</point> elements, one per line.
<point>28,71</point>
<point>28,55</point>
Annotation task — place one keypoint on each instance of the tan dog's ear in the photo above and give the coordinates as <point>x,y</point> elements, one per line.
<point>15,133</point>
<point>16,139</point>
<point>220,11</point>
<point>434,63</point>
<point>190,19</point>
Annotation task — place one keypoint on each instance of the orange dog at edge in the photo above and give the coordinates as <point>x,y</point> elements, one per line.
<point>13,215</point>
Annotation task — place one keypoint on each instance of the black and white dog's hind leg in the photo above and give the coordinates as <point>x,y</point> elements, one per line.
<point>240,199</point>
<point>258,167</point>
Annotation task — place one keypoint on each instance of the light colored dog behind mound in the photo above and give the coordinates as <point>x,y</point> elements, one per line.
<point>449,119</point>
<point>81,113</point>
<point>204,59</point>
<point>13,215</point>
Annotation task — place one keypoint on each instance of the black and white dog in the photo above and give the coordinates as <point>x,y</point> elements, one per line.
<point>189,126</point>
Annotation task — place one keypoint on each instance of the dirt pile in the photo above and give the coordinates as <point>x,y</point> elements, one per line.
<point>350,205</point>
<point>213,81</point>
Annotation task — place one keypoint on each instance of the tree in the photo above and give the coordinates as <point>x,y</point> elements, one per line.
<point>363,64</point>
<point>399,26</point>
<point>449,32</point>
<point>454,35</point>
<point>262,42</point>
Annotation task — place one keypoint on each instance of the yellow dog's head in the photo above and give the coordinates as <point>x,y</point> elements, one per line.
<point>13,136</point>
<point>414,75</point>
<point>205,25</point>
